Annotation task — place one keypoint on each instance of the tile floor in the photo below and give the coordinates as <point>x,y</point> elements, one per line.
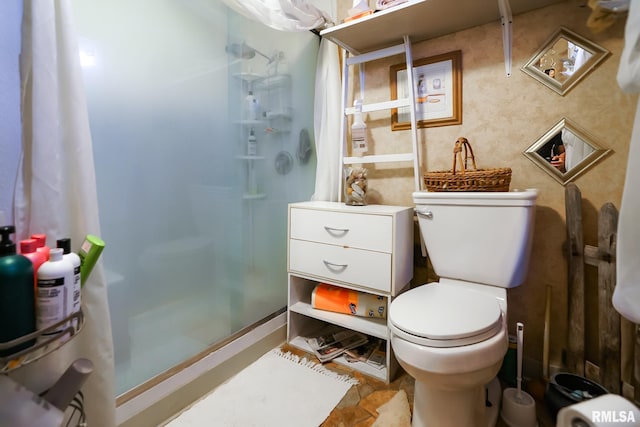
<point>358,407</point>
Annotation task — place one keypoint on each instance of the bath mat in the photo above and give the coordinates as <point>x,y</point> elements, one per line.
<point>279,389</point>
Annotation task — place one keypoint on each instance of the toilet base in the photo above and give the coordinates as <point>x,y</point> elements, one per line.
<point>474,407</point>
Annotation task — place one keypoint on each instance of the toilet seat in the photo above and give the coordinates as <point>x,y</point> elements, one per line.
<point>437,315</point>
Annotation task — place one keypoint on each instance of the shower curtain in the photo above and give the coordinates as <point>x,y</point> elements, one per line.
<point>297,15</point>
<point>626,296</point>
<point>56,192</point>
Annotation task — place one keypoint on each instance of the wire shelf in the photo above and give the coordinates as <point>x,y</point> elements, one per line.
<point>48,340</point>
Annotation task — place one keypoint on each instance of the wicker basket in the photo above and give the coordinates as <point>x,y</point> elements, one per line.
<point>467,180</point>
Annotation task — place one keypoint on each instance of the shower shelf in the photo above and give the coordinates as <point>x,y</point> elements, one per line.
<point>254,196</point>
<point>249,77</point>
<point>251,157</point>
<point>45,344</point>
<point>249,122</point>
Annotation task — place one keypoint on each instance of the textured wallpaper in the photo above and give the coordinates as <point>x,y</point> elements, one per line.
<point>502,117</point>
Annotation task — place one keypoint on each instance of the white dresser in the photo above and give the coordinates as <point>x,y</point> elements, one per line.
<point>364,248</point>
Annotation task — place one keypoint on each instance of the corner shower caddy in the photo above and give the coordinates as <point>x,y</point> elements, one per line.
<point>275,120</point>
<point>47,341</point>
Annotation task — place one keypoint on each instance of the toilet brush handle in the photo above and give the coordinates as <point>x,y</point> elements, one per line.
<point>519,337</point>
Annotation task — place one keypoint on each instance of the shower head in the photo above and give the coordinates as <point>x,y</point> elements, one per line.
<point>244,51</point>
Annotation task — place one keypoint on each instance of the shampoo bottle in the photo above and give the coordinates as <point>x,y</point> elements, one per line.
<point>74,259</point>
<point>358,131</point>
<point>252,107</point>
<point>89,253</point>
<point>55,283</point>
<point>28,249</point>
<point>42,243</point>
<point>252,144</point>
<point>17,309</point>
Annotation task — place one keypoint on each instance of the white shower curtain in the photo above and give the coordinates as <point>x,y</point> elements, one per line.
<point>56,190</point>
<point>299,15</point>
<point>626,296</point>
<point>283,15</point>
<point>327,117</point>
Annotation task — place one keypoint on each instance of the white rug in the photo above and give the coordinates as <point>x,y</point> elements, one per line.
<point>279,389</point>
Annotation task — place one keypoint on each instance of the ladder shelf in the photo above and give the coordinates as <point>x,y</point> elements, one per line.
<point>351,59</point>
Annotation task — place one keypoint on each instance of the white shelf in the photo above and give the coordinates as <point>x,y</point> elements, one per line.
<point>254,196</point>
<point>380,158</point>
<point>251,157</point>
<point>374,327</point>
<point>249,122</point>
<point>421,20</point>
<point>249,77</point>
<point>378,106</point>
<point>365,368</point>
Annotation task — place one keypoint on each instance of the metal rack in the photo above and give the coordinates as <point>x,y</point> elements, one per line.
<point>47,340</point>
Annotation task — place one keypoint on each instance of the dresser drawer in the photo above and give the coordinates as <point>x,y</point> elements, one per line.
<point>373,232</point>
<point>356,266</point>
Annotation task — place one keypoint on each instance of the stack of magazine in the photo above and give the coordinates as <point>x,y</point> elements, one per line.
<point>331,342</point>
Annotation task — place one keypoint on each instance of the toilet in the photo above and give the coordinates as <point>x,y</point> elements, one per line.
<point>451,335</point>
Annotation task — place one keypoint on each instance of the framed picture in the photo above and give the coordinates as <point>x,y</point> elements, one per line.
<point>438,91</point>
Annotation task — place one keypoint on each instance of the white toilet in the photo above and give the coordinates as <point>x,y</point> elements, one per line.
<point>451,335</point>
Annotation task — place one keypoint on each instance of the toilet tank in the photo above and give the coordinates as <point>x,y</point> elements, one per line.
<point>480,237</point>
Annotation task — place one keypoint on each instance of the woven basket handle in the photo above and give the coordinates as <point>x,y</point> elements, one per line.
<point>463,143</point>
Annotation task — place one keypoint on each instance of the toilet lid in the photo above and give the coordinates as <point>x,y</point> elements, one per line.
<point>438,315</point>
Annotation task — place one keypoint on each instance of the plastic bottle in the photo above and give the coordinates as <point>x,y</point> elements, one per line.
<point>252,107</point>
<point>17,309</point>
<point>89,253</point>
<point>28,249</point>
<point>252,144</point>
<point>42,243</point>
<point>74,259</point>
<point>55,283</point>
<point>359,144</point>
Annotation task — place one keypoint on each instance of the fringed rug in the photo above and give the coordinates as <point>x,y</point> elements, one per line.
<point>279,389</point>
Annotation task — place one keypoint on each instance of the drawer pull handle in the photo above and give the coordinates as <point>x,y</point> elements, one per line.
<point>335,267</point>
<point>425,213</point>
<point>334,231</point>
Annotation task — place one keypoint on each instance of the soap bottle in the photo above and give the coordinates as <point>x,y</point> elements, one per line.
<point>359,144</point>
<point>55,283</point>
<point>252,107</point>
<point>89,253</point>
<point>74,259</point>
<point>28,249</point>
<point>17,308</point>
<point>252,144</point>
<point>42,243</point>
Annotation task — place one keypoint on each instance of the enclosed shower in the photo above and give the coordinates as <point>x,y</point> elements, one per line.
<point>192,190</point>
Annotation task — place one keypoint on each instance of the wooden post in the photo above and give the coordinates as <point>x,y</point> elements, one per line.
<point>575,340</point>
<point>609,318</point>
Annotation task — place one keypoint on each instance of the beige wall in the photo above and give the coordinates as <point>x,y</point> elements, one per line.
<point>502,117</point>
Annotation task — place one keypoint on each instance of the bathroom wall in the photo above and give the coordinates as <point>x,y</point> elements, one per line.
<point>502,117</point>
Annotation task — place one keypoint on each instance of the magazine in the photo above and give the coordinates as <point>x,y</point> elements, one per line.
<point>331,342</point>
<point>372,353</point>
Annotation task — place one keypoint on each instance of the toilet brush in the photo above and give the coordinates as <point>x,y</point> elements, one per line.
<point>518,407</point>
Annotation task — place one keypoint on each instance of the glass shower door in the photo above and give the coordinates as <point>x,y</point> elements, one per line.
<point>195,222</point>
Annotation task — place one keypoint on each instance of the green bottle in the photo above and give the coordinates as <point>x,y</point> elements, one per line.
<point>17,294</point>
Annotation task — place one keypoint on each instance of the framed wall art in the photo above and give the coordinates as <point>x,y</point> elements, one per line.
<point>438,91</point>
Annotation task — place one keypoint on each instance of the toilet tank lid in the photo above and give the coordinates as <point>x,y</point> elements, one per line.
<point>505,198</point>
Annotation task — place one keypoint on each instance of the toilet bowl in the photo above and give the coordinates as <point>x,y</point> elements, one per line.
<point>451,335</point>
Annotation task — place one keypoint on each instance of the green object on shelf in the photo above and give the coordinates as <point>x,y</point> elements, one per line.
<point>89,253</point>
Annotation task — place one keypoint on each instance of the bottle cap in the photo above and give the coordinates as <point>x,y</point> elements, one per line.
<point>7,247</point>
<point>65,244</point>
<point>28,245</point>
<point>41,238</point>
<point>55,254</point>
